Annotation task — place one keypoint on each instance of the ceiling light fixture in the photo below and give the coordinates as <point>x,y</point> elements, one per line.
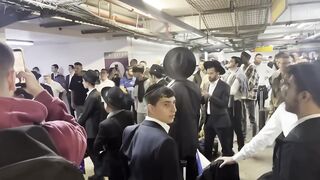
<point>19,42</point>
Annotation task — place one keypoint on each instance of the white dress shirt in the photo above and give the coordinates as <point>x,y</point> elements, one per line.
<point>105,83</point>
<point>89,91</point>
<point>264,72</point>
<point>280,121</point>
<point>212,87</point>
<point>165,126</point>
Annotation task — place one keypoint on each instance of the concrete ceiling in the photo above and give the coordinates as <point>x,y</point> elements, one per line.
<point>219,24</point>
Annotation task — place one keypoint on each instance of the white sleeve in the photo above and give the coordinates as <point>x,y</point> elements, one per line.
<point>265,137</point>
<point>235,87</point>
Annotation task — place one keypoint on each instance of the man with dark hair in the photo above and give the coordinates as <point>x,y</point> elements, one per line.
<point>104,80</point>
<point>133,62</point>
<point>54,70</point>
<point>150,152</point>
<point>297,155</point>
<point>78,92</point>
<point>110,132</point>
<point>215,95</point>
<point>264,72</point>
<point>68,81</point>
<point>91,117</point>
<point>157,75</point>
<point>237,81</point>
<point>141,84</point>
<point>200,73</point>
<point>276,81</point>
<point>249,101</point>
<point>67,135</point>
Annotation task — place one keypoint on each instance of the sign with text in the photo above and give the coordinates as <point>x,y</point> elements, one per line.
<point>117,60</point>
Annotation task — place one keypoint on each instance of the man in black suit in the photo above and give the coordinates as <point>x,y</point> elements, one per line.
<point>157,75</point>
<point>179,64</point>
<point>68,80</point>
<point>215,95</point>
<point>150,152</point>
<point>109,136</point>
<point>297,155</point>
<point>91,115</point>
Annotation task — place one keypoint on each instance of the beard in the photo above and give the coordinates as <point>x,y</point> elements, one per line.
<point>292,106</point>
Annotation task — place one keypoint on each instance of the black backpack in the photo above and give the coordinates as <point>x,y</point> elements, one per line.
<point>28,153</point>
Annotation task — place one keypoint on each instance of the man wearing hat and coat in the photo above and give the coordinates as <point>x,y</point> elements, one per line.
<point>215,96</point>
<point>91,116</point>
<point>157,75</point>
<point>179,64</point>
<point>109,136</point>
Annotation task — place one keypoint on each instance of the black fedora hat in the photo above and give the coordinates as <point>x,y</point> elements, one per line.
<point>179,63</point>
<point>91,77</point>
<point>216,65</point>
<point>113,96</point>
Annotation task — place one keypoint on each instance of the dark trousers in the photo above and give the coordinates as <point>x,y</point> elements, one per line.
<point>69,101</point>
<point>190,163</point>
<point>95,160</point>
<point>224,135</point>
<point>262,96</point>
<point>250,108</point>
<point>236,116</point>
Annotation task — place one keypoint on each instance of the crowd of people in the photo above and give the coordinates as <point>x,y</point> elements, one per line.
<point>147,123</point>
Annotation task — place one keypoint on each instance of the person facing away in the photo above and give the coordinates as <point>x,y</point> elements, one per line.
<point>109,136</point>
<point>67,135</point>
<point>148,149</point>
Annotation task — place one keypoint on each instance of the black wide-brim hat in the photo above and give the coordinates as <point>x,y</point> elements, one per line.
<point>113,96</point>
<point>216,65</point>
<point>179,63</point>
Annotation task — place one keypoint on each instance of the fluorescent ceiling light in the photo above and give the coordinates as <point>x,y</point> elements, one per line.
<point>154,3</point>
<point>19,42</point>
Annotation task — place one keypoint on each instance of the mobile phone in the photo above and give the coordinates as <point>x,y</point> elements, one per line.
<point>19,64</point>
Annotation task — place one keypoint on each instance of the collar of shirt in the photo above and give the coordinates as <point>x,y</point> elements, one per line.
<point>312,116</point>
<point>214,83</point>
<point>159,80</point>
<point>165,126</point>
<point>114,113</point>
<point>89,91</point>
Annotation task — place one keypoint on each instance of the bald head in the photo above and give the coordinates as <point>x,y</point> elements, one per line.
<point>6,60</point>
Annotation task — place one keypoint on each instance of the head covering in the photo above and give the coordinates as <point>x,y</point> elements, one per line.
<point>153,88</point>
<point>91,77</point>
<point>216,65</point>
<point>138,69</point>
<point>245,54</point>
<point>36,74</point>
<point>179,63</point>
<point>156,70</point>
<point>113,96</point>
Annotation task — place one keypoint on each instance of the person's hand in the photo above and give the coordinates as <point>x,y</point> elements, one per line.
<point>33,87</point>
<point>226,161</point>
<point>205,94</point>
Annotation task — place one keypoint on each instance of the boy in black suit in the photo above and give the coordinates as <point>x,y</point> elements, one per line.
<point>150,152</point>
<point>109,136</point>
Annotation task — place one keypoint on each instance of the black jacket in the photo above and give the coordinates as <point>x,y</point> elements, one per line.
<point>151,153</point>
<point>91,116</point>
<point>298,154</point>
<point>218,103</point>
<point>184,129</point>
<point>214,172</point>
<point>109,140</point>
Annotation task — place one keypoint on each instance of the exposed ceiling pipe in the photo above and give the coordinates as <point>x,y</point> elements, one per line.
<point>106,14</point>
<point>162,16</point>
<point>311,38</point>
